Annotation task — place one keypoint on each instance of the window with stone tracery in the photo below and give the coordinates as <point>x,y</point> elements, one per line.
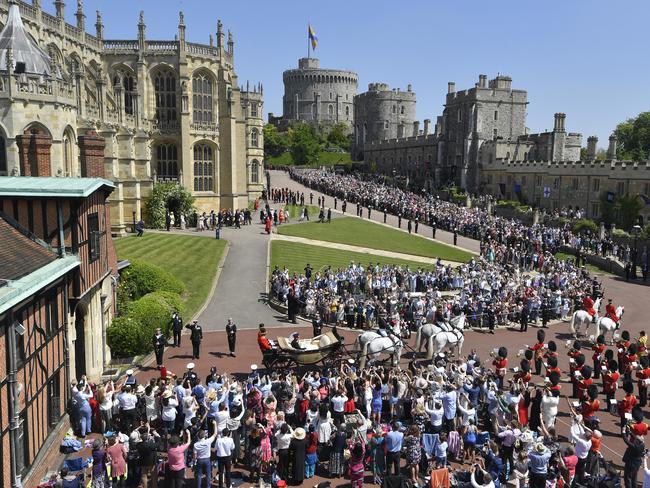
<point>202,98</point>
<point>165,90</point>
<point>128,83</point>
<point>254,138</point>
<point>203,168</point>
<point>255,171</point>
<point>167,161</point>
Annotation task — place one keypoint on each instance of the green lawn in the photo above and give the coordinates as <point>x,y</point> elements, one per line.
<point>295,256</point>
<point>192,259</point>
<point>357,232</point>
<point>324,158</point>
<point>296,210</point>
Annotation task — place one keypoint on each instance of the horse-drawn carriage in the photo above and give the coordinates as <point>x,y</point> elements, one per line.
<point>326,349</point>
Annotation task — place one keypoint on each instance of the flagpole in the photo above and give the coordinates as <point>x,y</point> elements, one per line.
<point>308,43</point>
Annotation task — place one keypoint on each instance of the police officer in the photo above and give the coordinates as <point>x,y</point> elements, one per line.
<point>177,328</point>
<point>159,343</point>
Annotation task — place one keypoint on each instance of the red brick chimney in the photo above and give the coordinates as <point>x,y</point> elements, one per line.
<point>34,154</point>
<point>91,155</point>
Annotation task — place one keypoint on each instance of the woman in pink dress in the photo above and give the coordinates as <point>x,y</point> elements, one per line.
<point>117,461</point>
<point>356,468</point>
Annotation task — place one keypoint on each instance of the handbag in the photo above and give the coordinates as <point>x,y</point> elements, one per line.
<point>346,454</point>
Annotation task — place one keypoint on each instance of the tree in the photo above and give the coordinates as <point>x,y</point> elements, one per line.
<point>167,197</point>
<point>338,136</point>
<point>304,144</point>
<point>629,207</point>
<point>634,138</point>
<point>275,143</point>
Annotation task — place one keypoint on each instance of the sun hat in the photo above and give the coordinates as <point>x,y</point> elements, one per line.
<point>540,448</point>
<point>129,372</point>
<point>190,365</point>
<point>139,390</point>
<point>167,394</point>
<point>299,433</point>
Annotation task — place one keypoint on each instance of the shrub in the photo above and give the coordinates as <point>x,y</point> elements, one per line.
<point>523,208</point>
<point>584,225</point>
<point>508,204</point>
<point>155,310</point>
<point>163,197</point>
<point>126,338</point>
<point>620,233</point>
<point>141,278</point>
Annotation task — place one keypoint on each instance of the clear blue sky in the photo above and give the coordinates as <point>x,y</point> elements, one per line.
<point>586,58</point>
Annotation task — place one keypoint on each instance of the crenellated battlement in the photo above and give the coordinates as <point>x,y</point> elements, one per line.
<point>607,164</point>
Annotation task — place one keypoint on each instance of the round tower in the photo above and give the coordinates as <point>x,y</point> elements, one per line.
<point>317,95</point>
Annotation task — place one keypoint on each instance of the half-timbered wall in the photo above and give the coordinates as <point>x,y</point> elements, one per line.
<point>41,374</point>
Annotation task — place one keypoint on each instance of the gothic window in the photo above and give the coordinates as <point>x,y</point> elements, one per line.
<point>255,171</point>
<point>330,110</point>
<point>401,110</point>
<point>167,161</point>
<point>128,89</point>
<point>165,90</point>
<point>254,138</point>
<point>496,115</point>
<point>347,111</point>
<point>201,98</point>
<point>203,168</point>
<point>394,108</point>
<point>253,109</point>
<point>385,124</point>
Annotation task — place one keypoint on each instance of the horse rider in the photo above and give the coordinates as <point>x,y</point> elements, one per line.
<point>610,311</point>
<point>588,305</point>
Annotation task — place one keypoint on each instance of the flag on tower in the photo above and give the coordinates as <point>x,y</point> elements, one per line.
<point>312,37</point>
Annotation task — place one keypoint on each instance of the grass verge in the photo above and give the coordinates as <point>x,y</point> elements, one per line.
<point>192,259</point>
<point>296,256</point>
<point>591,267</point>
<point>357,232</point>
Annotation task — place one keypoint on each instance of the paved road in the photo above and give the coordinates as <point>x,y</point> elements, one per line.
<point>240,292</point>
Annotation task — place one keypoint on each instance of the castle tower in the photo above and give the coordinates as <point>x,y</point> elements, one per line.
<point>382,113</point>
<point>611,149</point>
<point>592,143</point>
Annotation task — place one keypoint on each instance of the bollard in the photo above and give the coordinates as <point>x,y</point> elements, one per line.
<point>217,233</point>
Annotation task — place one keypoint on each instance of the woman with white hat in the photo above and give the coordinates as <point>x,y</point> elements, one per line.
<point>297,448</point>
<point>169,404</point>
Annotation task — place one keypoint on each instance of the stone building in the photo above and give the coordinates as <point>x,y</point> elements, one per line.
<point>560,184</point>
<point>382,113</point>
<point>168,111</point>
<point>316,95</point>
<point>477,125</point>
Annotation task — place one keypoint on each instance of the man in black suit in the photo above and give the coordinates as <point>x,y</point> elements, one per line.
<point>196,336</point>
<point>177,328</point>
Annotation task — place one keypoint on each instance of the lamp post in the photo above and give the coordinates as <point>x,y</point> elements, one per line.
<point>636,230</point>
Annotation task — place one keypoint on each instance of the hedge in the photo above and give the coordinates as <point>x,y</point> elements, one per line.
<point>155,310</point>
<point>142,278</point>
<point>583,225</point>
<point>620,233</point>
<point>126,338</point>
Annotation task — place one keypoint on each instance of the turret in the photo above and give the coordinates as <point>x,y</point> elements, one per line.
<point>59,6</point>
<point>141,30</point>
<point>181,30</point>
<point>231,45</point>
<point>451,87</point>
<point>219,35</point>
<point>559,122</point>
<point>592,143</point>
<point>482,81</point>
<point>81,17</point>
<point>611,149</point>
<point>416,127</point>
<point>427,123</point>
<point>99,26</point>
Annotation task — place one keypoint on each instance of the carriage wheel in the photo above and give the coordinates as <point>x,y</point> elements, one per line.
<point>282,363</point>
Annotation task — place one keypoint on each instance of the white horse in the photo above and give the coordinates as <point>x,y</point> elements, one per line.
<point>604,325</point>
<point>582,318</point>
<point>372,344</point>
<point>440,336</point>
